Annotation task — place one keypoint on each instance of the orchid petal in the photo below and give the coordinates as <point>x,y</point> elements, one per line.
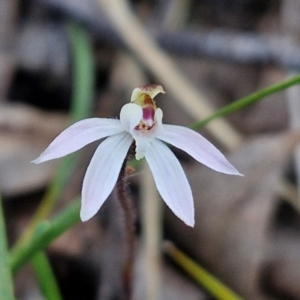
<point>102,173</point>
<point>198,147</point>
<point>158,117</point>
<point>151,90</point>
<point>171,181</point>
<point>130,116</point>
<point>78,135</point>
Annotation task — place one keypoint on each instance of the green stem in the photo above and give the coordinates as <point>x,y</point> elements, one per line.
<point>83,73</point>
<point>6,286</point>
<point>250,99</point>
<point>45,277</point>
<point>43,235</point>
<point>82,99</point>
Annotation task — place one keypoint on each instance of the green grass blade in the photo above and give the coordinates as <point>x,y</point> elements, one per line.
<point>250,99</point>
<point>6,286</point>
<point>37,237</point>
<point>81,106</point>
<point>200,275</point>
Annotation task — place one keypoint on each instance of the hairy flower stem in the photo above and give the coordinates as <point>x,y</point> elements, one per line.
<point>129,219</point>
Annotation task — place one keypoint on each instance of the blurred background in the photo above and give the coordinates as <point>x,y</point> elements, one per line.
<point>61,61</point>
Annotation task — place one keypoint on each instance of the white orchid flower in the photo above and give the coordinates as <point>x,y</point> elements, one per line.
<point>140,122</point>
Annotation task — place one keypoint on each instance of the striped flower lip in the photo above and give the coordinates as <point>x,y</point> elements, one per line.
<point>140,122</point>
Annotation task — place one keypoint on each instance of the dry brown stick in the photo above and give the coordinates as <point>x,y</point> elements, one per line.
<point>160,64</point>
